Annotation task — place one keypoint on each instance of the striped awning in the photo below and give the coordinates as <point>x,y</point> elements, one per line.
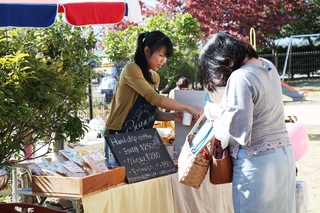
<point>43,13</point>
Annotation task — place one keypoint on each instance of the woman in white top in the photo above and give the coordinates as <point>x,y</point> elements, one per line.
<point>182,84</point>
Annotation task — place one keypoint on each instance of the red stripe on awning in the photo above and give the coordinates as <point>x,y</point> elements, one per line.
<point>60,9</point>
<point>87,13</point>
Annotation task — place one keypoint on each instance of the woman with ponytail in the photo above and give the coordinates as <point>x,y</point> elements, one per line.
<point>136,100</point>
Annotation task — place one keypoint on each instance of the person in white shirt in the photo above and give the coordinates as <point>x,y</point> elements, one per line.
<point>182,84</point>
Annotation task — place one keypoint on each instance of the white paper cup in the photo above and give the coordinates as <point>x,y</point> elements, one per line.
<point>187,118</point>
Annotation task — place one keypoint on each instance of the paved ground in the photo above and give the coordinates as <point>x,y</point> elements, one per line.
<point>307,114</point>
<point>308,166</point>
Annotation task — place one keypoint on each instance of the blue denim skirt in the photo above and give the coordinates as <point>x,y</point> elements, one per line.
<point>264,183</point>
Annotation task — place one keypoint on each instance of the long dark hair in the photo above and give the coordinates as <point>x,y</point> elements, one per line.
<point>220,55</point>
<point>154,40</point>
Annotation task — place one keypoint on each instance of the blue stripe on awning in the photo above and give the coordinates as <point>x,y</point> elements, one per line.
<point>27,15</point>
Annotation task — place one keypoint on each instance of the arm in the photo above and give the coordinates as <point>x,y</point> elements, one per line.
<point>170,104</point>
<point>166,116</point>
<point>134,78</point>
<point>236,118</point>
<point>212,111</point>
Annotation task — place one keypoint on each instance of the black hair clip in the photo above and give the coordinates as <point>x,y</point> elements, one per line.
<point>145,35</point>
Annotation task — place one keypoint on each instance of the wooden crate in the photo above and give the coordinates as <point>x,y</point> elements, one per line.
<point>72,186</point>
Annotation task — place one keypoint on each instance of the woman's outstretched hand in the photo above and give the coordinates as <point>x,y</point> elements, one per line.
<point>196,112</point>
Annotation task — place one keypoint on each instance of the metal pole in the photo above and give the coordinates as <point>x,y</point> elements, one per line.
<point>195,86</point>
<point>14,184</point>
<point>286,60</point>
<point>92,64</point>
<point>90,99</point>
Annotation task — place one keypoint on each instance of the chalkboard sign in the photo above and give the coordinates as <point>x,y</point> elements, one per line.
<point>142,153</point>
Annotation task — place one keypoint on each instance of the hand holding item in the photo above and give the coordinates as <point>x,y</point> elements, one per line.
<point>221,133</point>
<point>212,111</point>
<point>196,112</point>
<point>177,116</point>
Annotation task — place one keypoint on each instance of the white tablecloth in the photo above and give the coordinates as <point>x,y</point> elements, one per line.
<point>208,198</point>
<point>161,195</point>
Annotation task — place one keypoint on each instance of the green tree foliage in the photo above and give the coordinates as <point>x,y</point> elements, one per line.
<point>182,29</point>
<point>307,23</point>
<point>43,86</point>
<point>120,45</point>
